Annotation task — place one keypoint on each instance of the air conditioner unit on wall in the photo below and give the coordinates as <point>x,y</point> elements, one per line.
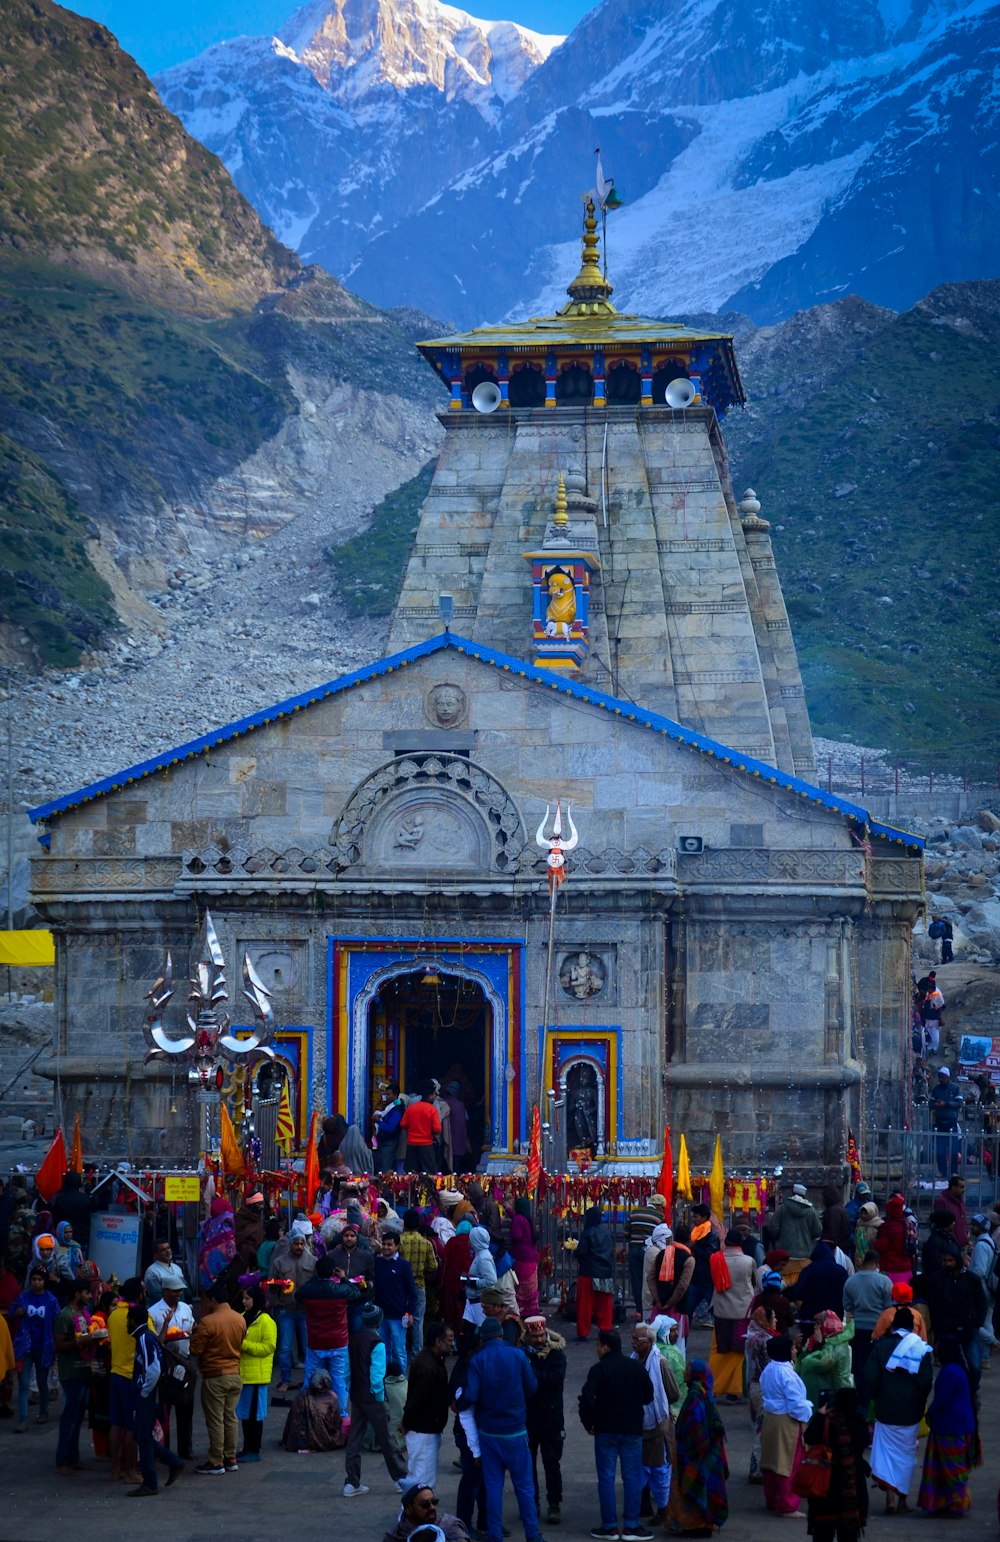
<point>690,845</point>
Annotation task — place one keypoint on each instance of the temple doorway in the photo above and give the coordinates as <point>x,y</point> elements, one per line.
<point>430,1023</point>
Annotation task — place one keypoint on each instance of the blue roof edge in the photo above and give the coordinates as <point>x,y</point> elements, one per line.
<point>631,711</point>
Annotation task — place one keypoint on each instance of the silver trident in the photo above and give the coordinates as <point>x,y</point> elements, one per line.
<point>556,846</point>
<point>208,1038</point>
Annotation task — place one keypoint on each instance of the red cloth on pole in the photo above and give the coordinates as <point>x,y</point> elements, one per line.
<point>665,1183</point>
<point>535,1152</point>
<point>311,1174</point>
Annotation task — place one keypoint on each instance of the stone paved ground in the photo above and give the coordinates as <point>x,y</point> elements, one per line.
<point>297,1498</point>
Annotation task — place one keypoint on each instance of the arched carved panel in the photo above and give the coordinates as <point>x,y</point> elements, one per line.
<point>429,812</point>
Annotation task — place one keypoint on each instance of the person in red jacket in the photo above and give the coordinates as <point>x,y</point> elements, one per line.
<point>890,1243</point>
<point>419,1128</point>
<point>324,1300</point>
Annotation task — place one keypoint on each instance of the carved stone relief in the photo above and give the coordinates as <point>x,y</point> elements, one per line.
<point>446,705</point>
<point>431,812</point>
<point>582,975</point>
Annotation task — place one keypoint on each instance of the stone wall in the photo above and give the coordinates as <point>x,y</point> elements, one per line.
<point>728,986</point>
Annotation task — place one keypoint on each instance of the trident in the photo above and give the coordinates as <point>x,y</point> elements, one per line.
<point>556,845</point>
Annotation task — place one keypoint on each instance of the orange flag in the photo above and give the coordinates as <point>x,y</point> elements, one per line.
<point>665,1185</point>
<point>49,1177</point>
<point>535,1152</point>
<point>232,1156</point>
<point>311,1174</point>
<point>76,1150</point>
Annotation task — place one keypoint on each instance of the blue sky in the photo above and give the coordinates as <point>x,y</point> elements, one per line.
<point>165,32</point>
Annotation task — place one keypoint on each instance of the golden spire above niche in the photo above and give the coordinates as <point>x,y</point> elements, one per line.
<point>590,293</point>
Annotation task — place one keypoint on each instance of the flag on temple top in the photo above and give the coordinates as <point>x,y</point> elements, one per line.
<point>284,1132</point>
<point>684,1172</point>
<point>232,1156</point>
<point>76,1150</point>
<point>604,187</point>
<point>49,1177</point>
<point>665,1184</point>
<point>853,1157</point>
<point>717,1181</point>
<point>535,1151</point>
<point>311,1174</point>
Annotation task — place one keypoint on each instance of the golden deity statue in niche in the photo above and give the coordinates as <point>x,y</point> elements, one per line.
<point>560,612</point>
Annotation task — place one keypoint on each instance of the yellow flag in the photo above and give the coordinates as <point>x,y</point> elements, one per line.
<point>284,1132</point>
<point>684,1171</point>
<point>232,1156</point>
<point>717,1180</point>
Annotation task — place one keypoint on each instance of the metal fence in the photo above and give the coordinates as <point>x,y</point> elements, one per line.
<point>916,1161</point>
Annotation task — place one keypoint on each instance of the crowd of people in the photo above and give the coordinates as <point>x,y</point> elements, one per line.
<point>825,1327</point>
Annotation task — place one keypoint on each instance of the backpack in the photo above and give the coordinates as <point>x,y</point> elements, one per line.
<point>501,1258</point>
<point>992,1280</point>
<point>936,929</point>
<point>177,1377</point>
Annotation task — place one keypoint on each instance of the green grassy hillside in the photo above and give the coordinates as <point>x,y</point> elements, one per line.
<point>880,477</point>
<point>98,173</point>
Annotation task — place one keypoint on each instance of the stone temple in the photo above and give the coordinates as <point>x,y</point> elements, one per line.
<point>730,947</point>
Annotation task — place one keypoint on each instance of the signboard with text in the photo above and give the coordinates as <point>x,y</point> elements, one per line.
<point>114,1243</point>
<point>181,1190</point>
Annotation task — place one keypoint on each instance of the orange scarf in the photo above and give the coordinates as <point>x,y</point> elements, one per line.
<point>702,1230</point>
<point>669,1255</point>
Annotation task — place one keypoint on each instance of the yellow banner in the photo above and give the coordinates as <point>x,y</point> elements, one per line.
<point>35,948</point>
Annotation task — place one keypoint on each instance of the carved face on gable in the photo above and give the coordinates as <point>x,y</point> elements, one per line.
<point>446,705</point>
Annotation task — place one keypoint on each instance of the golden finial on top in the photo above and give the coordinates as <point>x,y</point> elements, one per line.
<point>590,292</point>
<point>561,517</point>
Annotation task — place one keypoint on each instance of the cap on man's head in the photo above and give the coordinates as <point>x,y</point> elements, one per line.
<point>371,1315</point>
<point>410,1494</point>
<point>536,1321</point>
<point>862,1188</point>
<point>256,1198</point>
<point>943,1071</point>
<point>489,1328</point>
<point>980,1220</point>
<point>658,1201</point>
<point>173,1280</point>
<point>902,1293</point>
<point>798,1188</point>
<point>493,1296</point>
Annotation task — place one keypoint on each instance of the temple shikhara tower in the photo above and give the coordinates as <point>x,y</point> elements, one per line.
<point>589,615</point>
<point>677,602</point>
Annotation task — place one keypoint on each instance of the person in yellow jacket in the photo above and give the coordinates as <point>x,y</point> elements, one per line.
<point>256,1364</point>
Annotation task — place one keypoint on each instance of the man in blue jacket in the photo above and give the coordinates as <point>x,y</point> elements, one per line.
<point>396,1294</point>
<point>492,1405</point>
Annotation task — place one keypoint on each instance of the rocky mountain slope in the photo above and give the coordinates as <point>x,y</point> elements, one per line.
<point>173,381</point>
<point>770,157</point>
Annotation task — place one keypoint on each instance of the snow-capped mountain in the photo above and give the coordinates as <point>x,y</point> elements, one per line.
<point>770,155</point>
<point>355,115</point>
<point>354,46</point>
